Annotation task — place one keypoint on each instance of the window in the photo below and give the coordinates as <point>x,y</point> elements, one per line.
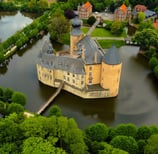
<point>73,81</point>
<point>90,74</point>
<point>68,73</point>
<point>68,79</point>
<point>90,82</point>
<point>90,68</point>
<point>73,75</point>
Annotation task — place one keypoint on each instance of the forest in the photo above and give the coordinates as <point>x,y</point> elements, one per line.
<point>57,134</point>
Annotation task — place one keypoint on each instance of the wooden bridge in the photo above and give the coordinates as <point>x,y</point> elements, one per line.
<point>43,108</point>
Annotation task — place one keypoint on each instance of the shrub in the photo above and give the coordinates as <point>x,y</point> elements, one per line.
<point>91,20</point>
<point>143,132</point>
<point>97,132</point>
<point>19,98</point>
<point>126,130</point>
<point>151,147</point>
<point>153,62</point>
<point>125,143</point>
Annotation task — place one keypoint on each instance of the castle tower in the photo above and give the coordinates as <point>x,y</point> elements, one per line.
<point>111,71</point>
<point>75,34</point>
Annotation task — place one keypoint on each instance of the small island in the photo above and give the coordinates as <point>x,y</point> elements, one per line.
<point>85,70</point>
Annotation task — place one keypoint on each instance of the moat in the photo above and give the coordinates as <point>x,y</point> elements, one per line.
<point>137,101</point>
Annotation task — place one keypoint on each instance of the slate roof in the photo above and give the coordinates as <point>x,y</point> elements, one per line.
<point>76,25</point>
<point>123,8</point>
<point>149,13</point>
<point>64,63</point>
<point>87,5</point>
<point>91,47</point>
<point>112,57</point>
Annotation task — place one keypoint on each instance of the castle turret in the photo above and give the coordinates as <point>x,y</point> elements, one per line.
<point>111,71</point>
<point>75,34</point>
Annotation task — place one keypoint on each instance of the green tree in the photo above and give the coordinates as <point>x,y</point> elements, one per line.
<point>3,107</point>
<point>97,132</point>
<point>153,62</point>
<point>118,151</point>
<point>19,97</point>
<point>10,132</point>
<point>141,145</point>
<point>62,128</point>
<point>2,58</point>
<point>141,17</point>
<point>9,148</point>
<point>146,38</point>
<point>52,129</point>
<point>72,124</point>
<point>7,95</point>
<point>117,27</point>
<point>156,71</point>
<point>91,20</point>
<point>35,127</point>
<point>57,27</point>
<point>154,129</point>
<point>108,149</point>
<point>74,139</point>
<point>78,148</point>
<point>54,111</point>
<point>14,107</point>
<point>34,145</point>
<point>43,4</point>
<point>126,130</point>
<point>125,143</point>
<point>143,132</point>
<point>151,147</point>
<point>145,25</point>
<point>1,93</point>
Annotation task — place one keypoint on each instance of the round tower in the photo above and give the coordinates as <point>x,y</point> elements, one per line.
<point>76,33</point>
<point>111,71</point>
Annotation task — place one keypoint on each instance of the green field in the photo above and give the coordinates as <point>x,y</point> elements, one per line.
<point>105,44</point>
<point>101,32</point>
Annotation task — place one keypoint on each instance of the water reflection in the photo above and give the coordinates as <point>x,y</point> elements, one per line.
<point>12,23</point>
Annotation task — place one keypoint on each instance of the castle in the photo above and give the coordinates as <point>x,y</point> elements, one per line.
<point>86,69</point>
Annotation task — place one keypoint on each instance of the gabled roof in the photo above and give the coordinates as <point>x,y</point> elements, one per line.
<point>140,7</point>
<point>112,57</point>
<point>123,7</point>
<point>91,48</point>
<point>87,5</point>
<point>65,63</point>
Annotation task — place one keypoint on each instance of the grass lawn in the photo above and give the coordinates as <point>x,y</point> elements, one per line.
<point>101,32</point>
<point>105,44</point>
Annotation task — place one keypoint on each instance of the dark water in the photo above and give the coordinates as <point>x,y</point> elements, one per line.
<point>137,101</point>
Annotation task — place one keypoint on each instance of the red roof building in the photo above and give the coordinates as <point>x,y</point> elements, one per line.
<point>85,10</point>
<point>122,13</point>
<point>140,8</point>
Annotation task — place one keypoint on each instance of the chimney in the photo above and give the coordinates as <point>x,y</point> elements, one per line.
<point>95,57</point>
